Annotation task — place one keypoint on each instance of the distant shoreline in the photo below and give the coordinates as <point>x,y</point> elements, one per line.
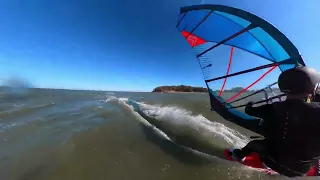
<point>179,89</point>
<point>179,92</point>
<point>191,89</point>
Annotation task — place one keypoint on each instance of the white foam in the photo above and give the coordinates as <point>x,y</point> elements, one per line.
<point>110,98</point>
<point>124,101</point>
<point>198,125</point>
<point>183,122</point>
<point>42,105</point>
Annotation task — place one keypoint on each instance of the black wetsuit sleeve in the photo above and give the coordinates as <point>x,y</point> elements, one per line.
<point>262,112</point>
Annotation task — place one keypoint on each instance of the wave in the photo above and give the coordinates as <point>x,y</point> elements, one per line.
<point>110,98</point>
<point>13,117</point>
<point>21,109</point>
<point>180,126</point>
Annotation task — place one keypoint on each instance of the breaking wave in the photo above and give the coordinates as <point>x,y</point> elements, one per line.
<point>180,126</point>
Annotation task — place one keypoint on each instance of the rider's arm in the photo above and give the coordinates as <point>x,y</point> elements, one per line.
<point>261,111</point>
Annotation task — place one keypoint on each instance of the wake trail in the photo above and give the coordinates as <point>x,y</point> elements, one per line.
<point>183,128</point>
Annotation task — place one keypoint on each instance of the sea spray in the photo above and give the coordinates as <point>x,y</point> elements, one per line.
<point>183,128</point>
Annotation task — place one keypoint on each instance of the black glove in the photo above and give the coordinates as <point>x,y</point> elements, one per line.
<point>248,106</point>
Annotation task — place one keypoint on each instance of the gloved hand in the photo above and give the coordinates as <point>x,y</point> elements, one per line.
<point>249,105</point>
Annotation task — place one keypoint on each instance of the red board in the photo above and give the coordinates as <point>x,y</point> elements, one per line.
<point>252,160</point>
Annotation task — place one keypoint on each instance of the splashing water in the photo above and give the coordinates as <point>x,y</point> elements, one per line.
<point>175,122</point>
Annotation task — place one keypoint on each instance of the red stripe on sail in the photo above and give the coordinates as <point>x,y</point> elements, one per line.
<point>192,39</point>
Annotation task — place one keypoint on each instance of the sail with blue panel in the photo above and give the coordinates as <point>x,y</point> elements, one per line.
<point>241,56</point>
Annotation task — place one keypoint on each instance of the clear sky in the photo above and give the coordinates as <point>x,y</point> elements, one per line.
<point>125,44</point>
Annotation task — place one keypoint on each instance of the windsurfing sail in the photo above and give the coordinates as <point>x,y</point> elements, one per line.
<point>240,55</point>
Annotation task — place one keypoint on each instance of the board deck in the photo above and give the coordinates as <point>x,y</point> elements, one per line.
<point>253,160</point>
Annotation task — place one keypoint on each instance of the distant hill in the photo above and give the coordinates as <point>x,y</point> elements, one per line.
<point>181,88</point>
<point>184,88</point>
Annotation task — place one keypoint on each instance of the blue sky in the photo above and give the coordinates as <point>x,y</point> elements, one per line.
<point>124,44</point>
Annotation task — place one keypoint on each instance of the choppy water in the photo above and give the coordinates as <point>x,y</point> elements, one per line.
<point>84,135</point>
